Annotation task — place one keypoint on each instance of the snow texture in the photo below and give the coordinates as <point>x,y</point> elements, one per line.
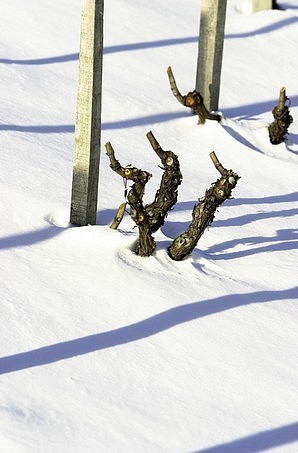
<point>105,351</point>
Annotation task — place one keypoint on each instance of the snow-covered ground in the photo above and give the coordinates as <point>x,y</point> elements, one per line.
<point>105,351</point>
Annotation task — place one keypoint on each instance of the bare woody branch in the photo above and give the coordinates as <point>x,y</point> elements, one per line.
<point>193,100</point>
<point>146,243</point>
<point>203,212</point>
<point>119,216</point>
<point>174,87</point>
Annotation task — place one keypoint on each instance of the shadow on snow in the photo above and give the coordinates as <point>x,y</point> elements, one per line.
<point>284,240</point>
<point>122,124</point>
<point>247,110</point>
<point>284,198</point>
<point>261,441</point>
<point>139,330</point>
<point>148,45</point>
<point>29,238</point>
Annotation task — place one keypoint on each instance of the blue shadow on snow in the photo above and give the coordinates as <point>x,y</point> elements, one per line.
<point>258,442</point>
<point>123,124</point>
<point>284,240</point>
<point>29,238</point>
<point>139,330</point>
<point>148,45</point>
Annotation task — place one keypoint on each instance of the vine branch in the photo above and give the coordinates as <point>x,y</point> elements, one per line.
<point>193,100</point>
<point>204,211</point>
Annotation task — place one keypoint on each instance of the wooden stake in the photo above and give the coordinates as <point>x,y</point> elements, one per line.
<point>88,117</point>
<point>259,5</point>
<point>211,40</point>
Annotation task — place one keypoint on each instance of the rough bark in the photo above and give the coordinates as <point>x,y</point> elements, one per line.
<point>203,212</point>
<point>166,195</point>
<point>146,244</point>
<point>151,217</point>
<point>282,119</point>
<point>193,100</point>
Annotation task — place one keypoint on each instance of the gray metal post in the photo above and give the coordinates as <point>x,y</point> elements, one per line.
<point>88,116</point>
<point>258,5</point>
<point>211,40</point>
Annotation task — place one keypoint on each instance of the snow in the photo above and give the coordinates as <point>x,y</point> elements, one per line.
<point>102,350</point>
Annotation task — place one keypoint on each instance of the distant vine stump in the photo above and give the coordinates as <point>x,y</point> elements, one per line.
<point>88,118</point>
<point>203,212</point>
<point>211,41</point>
<point>193,100</point>
<point>282,119</point>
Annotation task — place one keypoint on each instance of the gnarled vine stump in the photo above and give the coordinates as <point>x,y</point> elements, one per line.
<point>282,119</point>
<point>203,212</point>
<point>166,195</point>
<point>146,243</point>
<point>151,217</point>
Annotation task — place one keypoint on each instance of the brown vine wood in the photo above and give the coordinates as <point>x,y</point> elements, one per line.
<point>193,100</point>
<point>203,212</point>
<point>282,119</point>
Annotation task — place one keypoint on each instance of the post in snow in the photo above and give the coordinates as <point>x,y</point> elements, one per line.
<point>259,5</point>
<point>88,116</point>
<point>211,40</point>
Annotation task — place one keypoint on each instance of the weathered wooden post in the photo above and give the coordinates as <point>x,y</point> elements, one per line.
<point>259,5</point>
<point>211,40</point>
<point>88,116</point>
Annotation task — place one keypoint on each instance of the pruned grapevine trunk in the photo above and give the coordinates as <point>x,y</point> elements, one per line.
<point>203,212</point>
<point>166,195</point>
<point>146,244</point>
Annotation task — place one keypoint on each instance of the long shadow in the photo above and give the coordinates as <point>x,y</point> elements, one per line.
<point>289,6</point>
<point>250,110</point>
<point>42,61</point>
<point>285,198</point>
<point>278,247</point>
<point>264,30</point>
<point>107,50</point>
<point>145,120</point>
<point>249,218</point>
<point>284,240</point>
<point>58,129</point>
<point>139,330</point>
<point>147,45</point>
<point>292,141</point>
<point>281,235</point>
<point>239,138</point>
<point>258,442</point>
<point>70,128</point>
<point>246,110</point>
<point>173,228</point>
<point>29,238</point>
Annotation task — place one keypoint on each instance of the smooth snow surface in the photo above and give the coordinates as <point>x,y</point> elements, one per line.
<point>105,351</point>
